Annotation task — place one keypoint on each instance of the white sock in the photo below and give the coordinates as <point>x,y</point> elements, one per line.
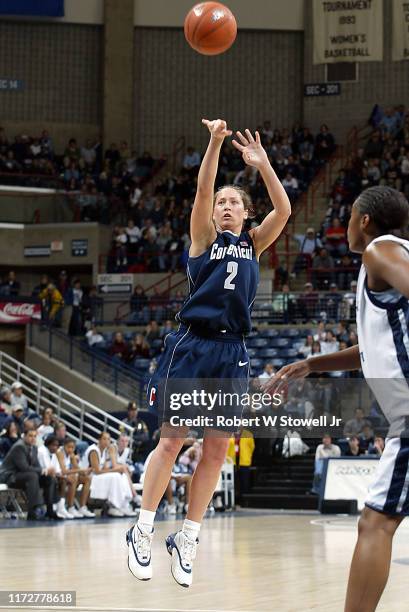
<point>145,520</point>
<point>61,503</point>
<point>191,529</point>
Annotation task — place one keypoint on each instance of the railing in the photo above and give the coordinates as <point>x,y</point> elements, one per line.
<point>121,379</point>
<point>82,419</point>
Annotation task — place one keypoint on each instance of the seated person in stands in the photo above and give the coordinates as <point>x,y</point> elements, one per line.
<point>324,143</point>
<point>10,286</point>
<point>335,238</point>
<point>94,338</point>
<point>46,428</point>
<point>152,331</point>
<point>322,265</point>
<point>74,476</point>
<point>308,245</point>
<point>9,436</point>
<point>138,348</point>
<point>21,469</point>
<point>306,349</point>
<point>377,446</point>
<point>356,425</point>
<point>60,431</point>
<point>16,417</point>
<point>139,299</point>
<point>140,433</point>
<point>267,372</point>
<point>119,348</point>
<point>366,438</point>
<point>324,451</point>
<point>18,397</point>
<point>354,448</point>
<point>110,479</point>
<point>5,400</point>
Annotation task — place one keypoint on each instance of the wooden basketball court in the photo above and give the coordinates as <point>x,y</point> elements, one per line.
<point>248,561</point>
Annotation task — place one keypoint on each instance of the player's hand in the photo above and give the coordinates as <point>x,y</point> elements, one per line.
<point>275,384</point>
<point>217,128</point>
<point>252,150</point>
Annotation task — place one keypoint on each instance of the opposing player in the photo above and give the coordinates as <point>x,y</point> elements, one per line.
<point>223,273</point>
<point>379,216</point>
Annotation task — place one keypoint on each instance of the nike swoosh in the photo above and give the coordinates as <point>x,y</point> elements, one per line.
<point>243,363</point>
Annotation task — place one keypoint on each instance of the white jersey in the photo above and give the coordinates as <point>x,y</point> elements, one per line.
<point>382,325</point>
<point>102,457</point>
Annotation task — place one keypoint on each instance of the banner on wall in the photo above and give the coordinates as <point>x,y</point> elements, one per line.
<point>347,31</point>
<point>400,33</point>
<point>42,8</point>
<point>18,313</point>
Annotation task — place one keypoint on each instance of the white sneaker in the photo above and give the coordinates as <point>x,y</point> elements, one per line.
<point>115,512</point>
<point>74,512</point>
<point>64,514</point>
<point>86,513</point>
<point>183,551</point>
<point>128,511</point>
<point>139,552</point>
<point>171,509</point>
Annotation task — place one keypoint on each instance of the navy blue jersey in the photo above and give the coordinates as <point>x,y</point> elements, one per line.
<point>222,285</point>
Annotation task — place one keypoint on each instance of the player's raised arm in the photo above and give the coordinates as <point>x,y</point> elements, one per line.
<point>202,230</point>
<point>272,226</point>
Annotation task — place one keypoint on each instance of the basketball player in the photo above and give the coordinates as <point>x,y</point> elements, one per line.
<point>382,307</point>
<point>223,271</point>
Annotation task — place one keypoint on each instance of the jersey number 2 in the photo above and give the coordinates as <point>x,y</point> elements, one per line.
<point>232,267</point>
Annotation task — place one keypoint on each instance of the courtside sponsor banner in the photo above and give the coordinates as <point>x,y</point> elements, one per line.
<point>19,313</point>
<point>348,31</point>
<point>350,478</point>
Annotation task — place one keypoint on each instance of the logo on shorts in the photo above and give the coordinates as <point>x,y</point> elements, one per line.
<point>152,396</point>
<point>243,363</point>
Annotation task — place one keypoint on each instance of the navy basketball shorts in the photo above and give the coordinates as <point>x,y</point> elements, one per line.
<point>200,380</point>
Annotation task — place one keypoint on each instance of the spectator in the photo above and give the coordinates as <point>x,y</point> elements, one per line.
<point>322,265</point>
<point>325,450</point>
<point>94,338</point>
<point>290,184</point>
<point>306,349</point>
<point>152,331</point>
<point>11,286</point>
<point>377,446</point>
<point>308,244</point>
<point>46,428</point>
<point>267,372</point>
<point>53,304</point>
<point>356,425</point>
<point>140,433</point>
<point>119,348</point>
<point>17,417</point>
<point>75,326</point>
<point>92,306</point>
<point>21,469</point>
<point>191,161</point>
<point>5,400</point>
<point>74,476</point>
<point>335,238</point>
<point>308,302</point>
<point>8,437</point>
<point>366,438</point>
<point>330,345</point>
<point>109,479</point>
<point>139,348</point>
<point>324,144</point>
<point>354,449</point>
<point>18,397</point>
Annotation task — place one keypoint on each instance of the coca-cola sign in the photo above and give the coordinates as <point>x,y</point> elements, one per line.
<point>19,313</point>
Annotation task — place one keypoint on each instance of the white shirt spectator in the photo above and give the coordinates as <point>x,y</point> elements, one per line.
<point>42,432</point>
<point>329,347</point>
<point>404,166</point>
<point>307,244</point>
<point>77,297</point>
<point>93,337</point>
<point>135,196</point>
<point>133,233</point>
<point>291,183</point>
<point>89,155</point>
<point>48,460</point>
<point>324,452</point>
<point>191,160</point>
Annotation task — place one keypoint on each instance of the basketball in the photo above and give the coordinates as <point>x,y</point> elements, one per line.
<point>210,28</point>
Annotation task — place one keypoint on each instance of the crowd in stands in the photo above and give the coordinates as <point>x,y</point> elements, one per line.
<point>156,237</point>
<point>102,183</point>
